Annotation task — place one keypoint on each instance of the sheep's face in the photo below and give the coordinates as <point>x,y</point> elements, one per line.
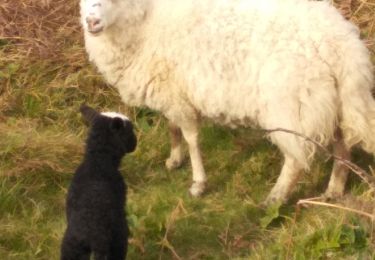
<point>97,15</point>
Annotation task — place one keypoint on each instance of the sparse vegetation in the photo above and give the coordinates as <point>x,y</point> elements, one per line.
<point>45,76</point>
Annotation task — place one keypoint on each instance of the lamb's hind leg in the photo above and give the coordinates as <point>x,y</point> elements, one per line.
<point>176,157</point>
<point>190,133</point>
<point>73,249</point>
<point>286,181</point>
<point>339,175</point>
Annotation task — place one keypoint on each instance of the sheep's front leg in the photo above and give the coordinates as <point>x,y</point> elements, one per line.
<point>286,181</point>
<point>176,157</point>
<point>190,134</point>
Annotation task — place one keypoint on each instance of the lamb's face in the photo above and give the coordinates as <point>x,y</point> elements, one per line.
<point>122,131</point>
<point>97,15</point>
<point>117,127</point>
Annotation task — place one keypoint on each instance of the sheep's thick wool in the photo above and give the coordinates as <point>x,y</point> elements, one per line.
<point>290,64</point>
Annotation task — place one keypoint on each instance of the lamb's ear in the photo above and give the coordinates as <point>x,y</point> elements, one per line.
<point>88,113</point>
<point>117,123</point>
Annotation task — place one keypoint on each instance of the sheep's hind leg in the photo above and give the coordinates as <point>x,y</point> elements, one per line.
<point>176,157</point>
<point>190,134</point>
<point>286,181</point>
<point>339,175</point>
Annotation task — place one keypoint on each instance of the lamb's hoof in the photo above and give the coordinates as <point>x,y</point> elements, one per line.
<point>197,189</point>
<point>173,164</point>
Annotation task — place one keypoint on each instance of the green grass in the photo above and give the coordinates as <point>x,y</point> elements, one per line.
<point>41,144</point>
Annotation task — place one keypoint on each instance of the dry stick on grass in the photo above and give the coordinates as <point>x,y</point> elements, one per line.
<point>169,223</point>
<point>315,201</point>
<point>319,203</point>
<point>370,180</point>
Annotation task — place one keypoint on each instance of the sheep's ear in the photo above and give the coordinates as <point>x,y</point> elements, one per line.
<point>117,123</point>
<point>88,113</point>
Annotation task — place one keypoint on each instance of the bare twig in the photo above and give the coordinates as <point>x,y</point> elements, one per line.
<point>352,166</point>
<point>315,201</point>
<point>319,203</point>
<point>169,223</point>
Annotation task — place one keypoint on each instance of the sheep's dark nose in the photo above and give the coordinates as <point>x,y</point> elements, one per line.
<point>94,24</point>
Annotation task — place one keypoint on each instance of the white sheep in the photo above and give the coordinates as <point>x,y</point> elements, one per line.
<point>292,64</point>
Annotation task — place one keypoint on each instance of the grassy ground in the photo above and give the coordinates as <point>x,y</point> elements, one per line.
<point>44,77</point>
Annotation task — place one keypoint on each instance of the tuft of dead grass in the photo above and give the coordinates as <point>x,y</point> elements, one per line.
<point>362,13</point>
<point>27,149</point>
<point>40,47</point>
<point>40,28</point>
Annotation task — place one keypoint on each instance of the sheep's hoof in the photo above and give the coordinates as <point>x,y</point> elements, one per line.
<point>197,189</point>
<point>272,200</point>
<point>332,194</point>
<point>172,164</point>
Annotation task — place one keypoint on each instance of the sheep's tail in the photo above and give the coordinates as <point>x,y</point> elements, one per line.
<point>355,83</point>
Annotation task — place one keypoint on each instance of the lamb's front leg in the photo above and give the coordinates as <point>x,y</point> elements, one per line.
<point>190,134</point>
<point>176,157</point>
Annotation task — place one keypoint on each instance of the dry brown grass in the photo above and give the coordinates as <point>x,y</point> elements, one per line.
<point>30,148</point>
<point>37,31</point>
<point>362,13</point>
<point>40,29</point>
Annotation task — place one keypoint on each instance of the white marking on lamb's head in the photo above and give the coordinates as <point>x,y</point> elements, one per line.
<point>122,129</point>
<point>114,115</point>
<point>97,15</point>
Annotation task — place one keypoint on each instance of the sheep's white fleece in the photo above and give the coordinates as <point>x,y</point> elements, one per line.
<point>293,64</point>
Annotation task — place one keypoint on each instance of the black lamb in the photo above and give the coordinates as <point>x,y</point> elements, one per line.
<point>97,195</point>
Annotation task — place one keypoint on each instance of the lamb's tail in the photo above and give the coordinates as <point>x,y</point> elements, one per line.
<point>355,83</point>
